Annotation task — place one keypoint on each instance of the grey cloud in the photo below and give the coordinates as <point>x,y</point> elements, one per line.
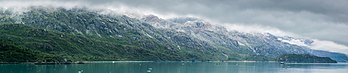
<point>321,19</point>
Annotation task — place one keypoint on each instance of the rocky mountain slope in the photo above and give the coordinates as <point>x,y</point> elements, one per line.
<point>87,34</point>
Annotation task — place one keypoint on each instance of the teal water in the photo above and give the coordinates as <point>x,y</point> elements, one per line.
<point>176,67</point>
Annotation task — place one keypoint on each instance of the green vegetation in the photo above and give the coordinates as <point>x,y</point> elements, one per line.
<point>36,44</point>
<point>22,43</point>
<point>11,54</point>
<point>304,58</point>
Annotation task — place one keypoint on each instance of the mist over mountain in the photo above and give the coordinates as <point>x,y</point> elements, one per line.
<point>81,33</point>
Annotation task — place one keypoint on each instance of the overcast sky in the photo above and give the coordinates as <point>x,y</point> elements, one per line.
<point>318,19</point>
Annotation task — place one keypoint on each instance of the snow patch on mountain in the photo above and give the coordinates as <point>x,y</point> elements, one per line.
<point>256,29</point>
<point>298,42</point>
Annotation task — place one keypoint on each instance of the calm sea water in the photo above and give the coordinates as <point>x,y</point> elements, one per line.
<point>176,67</point>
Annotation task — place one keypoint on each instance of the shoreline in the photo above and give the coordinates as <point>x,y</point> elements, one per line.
<point>89,62</point>
<point>44,63</point>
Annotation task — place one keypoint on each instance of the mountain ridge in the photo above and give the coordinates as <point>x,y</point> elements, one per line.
<point>150,38</point>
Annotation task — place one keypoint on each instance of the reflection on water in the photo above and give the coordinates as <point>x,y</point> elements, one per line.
<point>176,67</point>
